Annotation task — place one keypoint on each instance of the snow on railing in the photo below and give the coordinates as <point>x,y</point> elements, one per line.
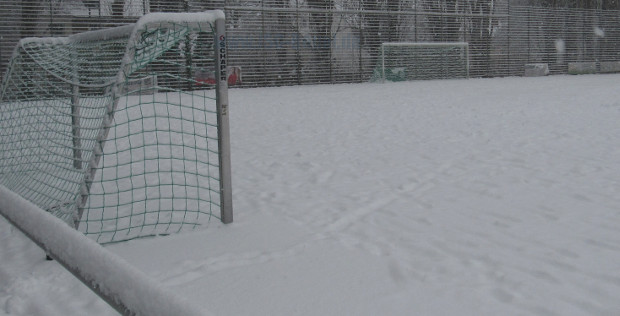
<point>124,287</point>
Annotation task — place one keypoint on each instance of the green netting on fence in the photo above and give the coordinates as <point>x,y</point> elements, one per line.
<point>111,130</point>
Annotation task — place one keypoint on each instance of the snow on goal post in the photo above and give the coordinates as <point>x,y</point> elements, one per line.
<point>109,130</point>
<point>422,61</point>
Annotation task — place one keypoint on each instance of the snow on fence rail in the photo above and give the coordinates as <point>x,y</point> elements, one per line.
<point>124,287</point>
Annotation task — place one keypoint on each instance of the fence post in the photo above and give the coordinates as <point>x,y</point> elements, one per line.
<point>529,53</point>
<point>297,40</point>
<point>263,46</point>
<point>508,59</point>
<point>223,124</point>
<point>360,50</point>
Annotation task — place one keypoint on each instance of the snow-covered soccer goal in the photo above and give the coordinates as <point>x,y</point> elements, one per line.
<point>110,131</point>
<point>404,61</point>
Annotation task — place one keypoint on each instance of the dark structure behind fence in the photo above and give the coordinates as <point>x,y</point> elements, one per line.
<point>277,42</point>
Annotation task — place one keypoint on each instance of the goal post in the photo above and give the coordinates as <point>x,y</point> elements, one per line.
<point>110,131</point>
<point>221,74</point>
<point>402,61</point>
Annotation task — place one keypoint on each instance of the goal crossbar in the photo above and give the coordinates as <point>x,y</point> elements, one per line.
<point>65,107</point>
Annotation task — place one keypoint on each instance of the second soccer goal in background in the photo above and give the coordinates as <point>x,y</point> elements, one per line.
<point>421,61</point>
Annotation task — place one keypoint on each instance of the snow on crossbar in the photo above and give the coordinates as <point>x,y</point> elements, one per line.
<point>121,285</point>
<point>111,130</point>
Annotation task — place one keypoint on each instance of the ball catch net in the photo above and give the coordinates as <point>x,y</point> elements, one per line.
<point>110,130</point>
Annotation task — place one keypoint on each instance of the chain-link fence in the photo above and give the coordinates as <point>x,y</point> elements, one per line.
<point>278,42</point>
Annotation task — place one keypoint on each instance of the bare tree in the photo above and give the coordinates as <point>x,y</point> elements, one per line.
<point>480,31</point>
<point>30,13</point>
<point>375,29</point>
<point>444,26</point>
<point>320,27</point>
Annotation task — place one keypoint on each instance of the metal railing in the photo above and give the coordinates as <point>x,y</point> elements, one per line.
<point>125,288</point>
<point>278,42</point>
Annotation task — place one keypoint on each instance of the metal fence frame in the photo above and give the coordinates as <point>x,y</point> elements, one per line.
<point>273,55</point>
<point>279,42</point>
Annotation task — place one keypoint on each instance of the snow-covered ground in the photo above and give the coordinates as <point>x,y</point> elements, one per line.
<point>457,197</point>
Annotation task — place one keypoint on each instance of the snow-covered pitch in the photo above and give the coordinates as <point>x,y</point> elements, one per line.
<point>456,197</point>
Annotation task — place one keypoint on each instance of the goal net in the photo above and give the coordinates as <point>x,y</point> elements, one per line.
<point>109,130</point>
<point>422,61</point>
